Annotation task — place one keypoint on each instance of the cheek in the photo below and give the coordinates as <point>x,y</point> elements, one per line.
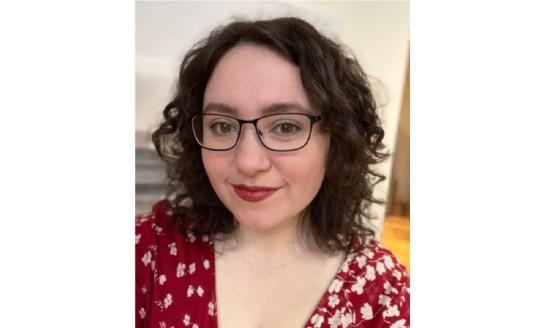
<point>208,164</point>
<point>313,167</point>
<point>304,173</point>
<point>317,155</point>
<point>214,165</point>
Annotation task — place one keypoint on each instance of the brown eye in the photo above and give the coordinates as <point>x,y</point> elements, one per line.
<point>225,127</point>
<point>286,128</point>
<point>222,128</point>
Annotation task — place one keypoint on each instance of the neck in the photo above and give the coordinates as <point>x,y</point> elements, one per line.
<point>281,243</point>
<point>278,246</point>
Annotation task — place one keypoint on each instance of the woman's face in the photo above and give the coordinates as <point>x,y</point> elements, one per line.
<point>264,190</point>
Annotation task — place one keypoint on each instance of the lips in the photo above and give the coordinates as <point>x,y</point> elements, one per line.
<point>253,193</point>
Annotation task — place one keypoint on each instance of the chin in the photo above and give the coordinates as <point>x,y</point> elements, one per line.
<point>257,221</point>
<point>263,220</point>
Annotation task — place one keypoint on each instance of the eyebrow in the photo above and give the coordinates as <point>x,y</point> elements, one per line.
<point>270,109</point>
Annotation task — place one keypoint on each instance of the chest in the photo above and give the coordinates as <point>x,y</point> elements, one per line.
<point>264,296</point>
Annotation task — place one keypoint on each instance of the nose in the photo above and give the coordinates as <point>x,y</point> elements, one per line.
<point>251,156</point>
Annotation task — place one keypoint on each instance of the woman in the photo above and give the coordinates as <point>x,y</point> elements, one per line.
<point>268,145</point>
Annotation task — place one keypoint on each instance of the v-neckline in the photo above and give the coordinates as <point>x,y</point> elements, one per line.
<point>319,305</point>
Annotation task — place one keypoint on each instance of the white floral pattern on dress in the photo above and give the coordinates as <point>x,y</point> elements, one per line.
<point>335,286</point>
<point>384,300</point>
<point>317,320</point>
<point>370,273</point>
<point>142,313</point>
<point>361,261</point>
<point>173,249</point>
<point>399,324</point>
<point>333,300</point>
<point>366,311</point>
<point>334,320</point>
<point>162,279</point>
<point>180,270</point>
<point>359,286</point>
<point>397,274</point>
<point>167,300</point>
<point>380,268</point>
<point>192,268</point>
<point>186,319</point>
<point>190,291</point>
<point>146,259</point>
<point>211,308</point>
<point>391,311</point>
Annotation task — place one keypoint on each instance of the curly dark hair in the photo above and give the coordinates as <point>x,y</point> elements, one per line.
<point>335,83</point>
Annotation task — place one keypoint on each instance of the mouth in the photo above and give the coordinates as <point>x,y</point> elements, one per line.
<point>253,193</point>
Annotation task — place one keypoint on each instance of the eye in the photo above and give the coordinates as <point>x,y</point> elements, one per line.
<point>222,127</point>
<point>286,128</point>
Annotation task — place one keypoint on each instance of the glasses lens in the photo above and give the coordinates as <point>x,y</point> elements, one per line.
<point>284,131</point>
<point>215,131</point>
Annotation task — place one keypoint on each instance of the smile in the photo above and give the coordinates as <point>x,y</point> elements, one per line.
<point>253,193</point>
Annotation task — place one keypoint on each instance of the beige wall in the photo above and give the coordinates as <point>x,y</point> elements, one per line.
<point>401,165</point>
<point>399,190</point>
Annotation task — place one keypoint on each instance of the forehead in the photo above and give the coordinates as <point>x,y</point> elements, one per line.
<point>249,79</point>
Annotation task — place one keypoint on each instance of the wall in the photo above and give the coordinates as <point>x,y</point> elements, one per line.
<point>403,151</point>
<point>398,202</point>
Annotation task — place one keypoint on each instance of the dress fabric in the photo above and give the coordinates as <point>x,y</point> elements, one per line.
<point>175,282</point>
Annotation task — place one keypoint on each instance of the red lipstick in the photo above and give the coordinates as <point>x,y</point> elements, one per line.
<point>253,193</point>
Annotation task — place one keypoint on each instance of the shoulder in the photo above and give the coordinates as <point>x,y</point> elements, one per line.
<point>160,224</point>
<point>159,238</point>
<point>153,223</point>
<point>154,228</point>
<point>173,269</point>
<point>372,286</point>
<point>374,261</point>
<point>380,285</point>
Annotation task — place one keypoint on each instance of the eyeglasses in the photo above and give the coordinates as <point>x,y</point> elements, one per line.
<point>277,132</point>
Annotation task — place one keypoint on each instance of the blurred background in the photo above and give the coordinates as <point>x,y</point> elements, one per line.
<point>376,32</point>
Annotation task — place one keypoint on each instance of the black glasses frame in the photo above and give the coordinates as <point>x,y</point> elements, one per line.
<point>313,118</point>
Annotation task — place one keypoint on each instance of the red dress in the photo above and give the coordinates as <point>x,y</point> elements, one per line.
<point>175,282</point>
